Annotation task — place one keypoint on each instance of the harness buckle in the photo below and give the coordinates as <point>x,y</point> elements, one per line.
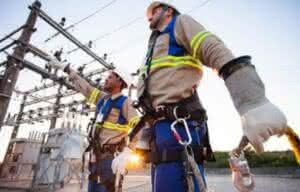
<point>188,116</point>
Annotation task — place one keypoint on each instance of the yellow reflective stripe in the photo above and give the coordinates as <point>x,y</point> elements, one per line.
<point>171,57</point>
<point>174,64</point>
<point>115,126</point>
<point>93,97</point>
<point>133,121</point>
<point>199,43</point>
<point>197,40</point>
<point>173,61</point>
<point>196,37</point>
<point>90,98</point>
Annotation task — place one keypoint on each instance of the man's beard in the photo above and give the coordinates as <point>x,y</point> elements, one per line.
<point>107,89</point>
<point>155,23</point>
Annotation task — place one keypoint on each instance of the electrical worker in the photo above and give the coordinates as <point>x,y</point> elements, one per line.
<point>113,118</point>
<point>167,90</point>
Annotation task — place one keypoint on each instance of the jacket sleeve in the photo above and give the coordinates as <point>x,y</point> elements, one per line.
<point>200,43</point>
<point>91,93</point>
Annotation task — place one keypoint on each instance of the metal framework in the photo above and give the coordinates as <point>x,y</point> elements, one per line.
<point>16,62</point>
<point>60,29</point>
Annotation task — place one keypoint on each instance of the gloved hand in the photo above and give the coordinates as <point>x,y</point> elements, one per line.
<point>260,118</point>
<point>120,162</point>
<point>54,63</point>
<point>262,122</point>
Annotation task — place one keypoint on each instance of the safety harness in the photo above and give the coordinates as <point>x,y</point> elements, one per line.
<point>190,107</point>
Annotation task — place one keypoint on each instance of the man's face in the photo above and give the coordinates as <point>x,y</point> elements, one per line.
<point>111,82</point>
<point>154,19</point>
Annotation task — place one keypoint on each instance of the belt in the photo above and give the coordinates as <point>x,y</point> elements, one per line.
<point>111,148</point>
<point>168,155</point>
<point>172,112</point>
<point>189,108</point>
<point>107,150</point>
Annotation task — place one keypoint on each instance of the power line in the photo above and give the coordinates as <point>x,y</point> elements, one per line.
<point>125,46</point>
<point>102,36</point>
<point>83,19</point>
<point>94,13</point>
<point>121,27</point>
<point>198,6</point>
<point>12,33</point>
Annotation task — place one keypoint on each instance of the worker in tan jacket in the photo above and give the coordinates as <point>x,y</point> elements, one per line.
<point>114,117</point>
<point>167,90</point>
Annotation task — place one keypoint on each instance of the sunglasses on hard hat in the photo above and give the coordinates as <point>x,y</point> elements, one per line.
<point>158,7</point>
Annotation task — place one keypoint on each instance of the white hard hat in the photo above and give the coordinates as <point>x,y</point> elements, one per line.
<point>125,77</point>
<point>155,4</point>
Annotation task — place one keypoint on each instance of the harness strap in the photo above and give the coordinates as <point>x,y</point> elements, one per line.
<point>144,101</point>
<point>110,107</point>
<point>166,155</point>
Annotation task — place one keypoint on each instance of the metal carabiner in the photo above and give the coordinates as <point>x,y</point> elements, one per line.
<point>176,134</point>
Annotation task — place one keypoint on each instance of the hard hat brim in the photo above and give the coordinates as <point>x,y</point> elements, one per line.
<point>155,4</point>
<point>125,81</point>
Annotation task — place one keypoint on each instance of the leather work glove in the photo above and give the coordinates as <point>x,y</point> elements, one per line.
<point>260,118</point>
<point>262,122</point>
<point>54,63</point>
<point>120,161</point>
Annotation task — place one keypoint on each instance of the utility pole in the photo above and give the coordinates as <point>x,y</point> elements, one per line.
<point>56,107</point>
<point>13,67</point>
<point>17,124</point>
<point>15,130</point>
<point>19,118</point>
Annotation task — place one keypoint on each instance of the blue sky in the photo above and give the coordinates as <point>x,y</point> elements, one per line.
<point>267,30</point>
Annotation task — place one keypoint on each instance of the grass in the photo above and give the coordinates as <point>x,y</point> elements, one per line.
<point>267,159</point>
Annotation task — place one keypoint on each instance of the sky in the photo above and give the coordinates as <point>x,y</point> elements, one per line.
<point>267,30</point>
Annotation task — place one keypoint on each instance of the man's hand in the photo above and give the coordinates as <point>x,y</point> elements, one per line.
<point>262,122</point>
<point>120,162</point>
<point>260,118</point>
<point>54,63</point>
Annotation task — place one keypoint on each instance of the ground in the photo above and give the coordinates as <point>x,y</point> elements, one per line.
<point>222,183</point>
<point>216,183</point>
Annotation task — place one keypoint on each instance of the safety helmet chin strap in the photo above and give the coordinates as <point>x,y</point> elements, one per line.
<point>165,8</point>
